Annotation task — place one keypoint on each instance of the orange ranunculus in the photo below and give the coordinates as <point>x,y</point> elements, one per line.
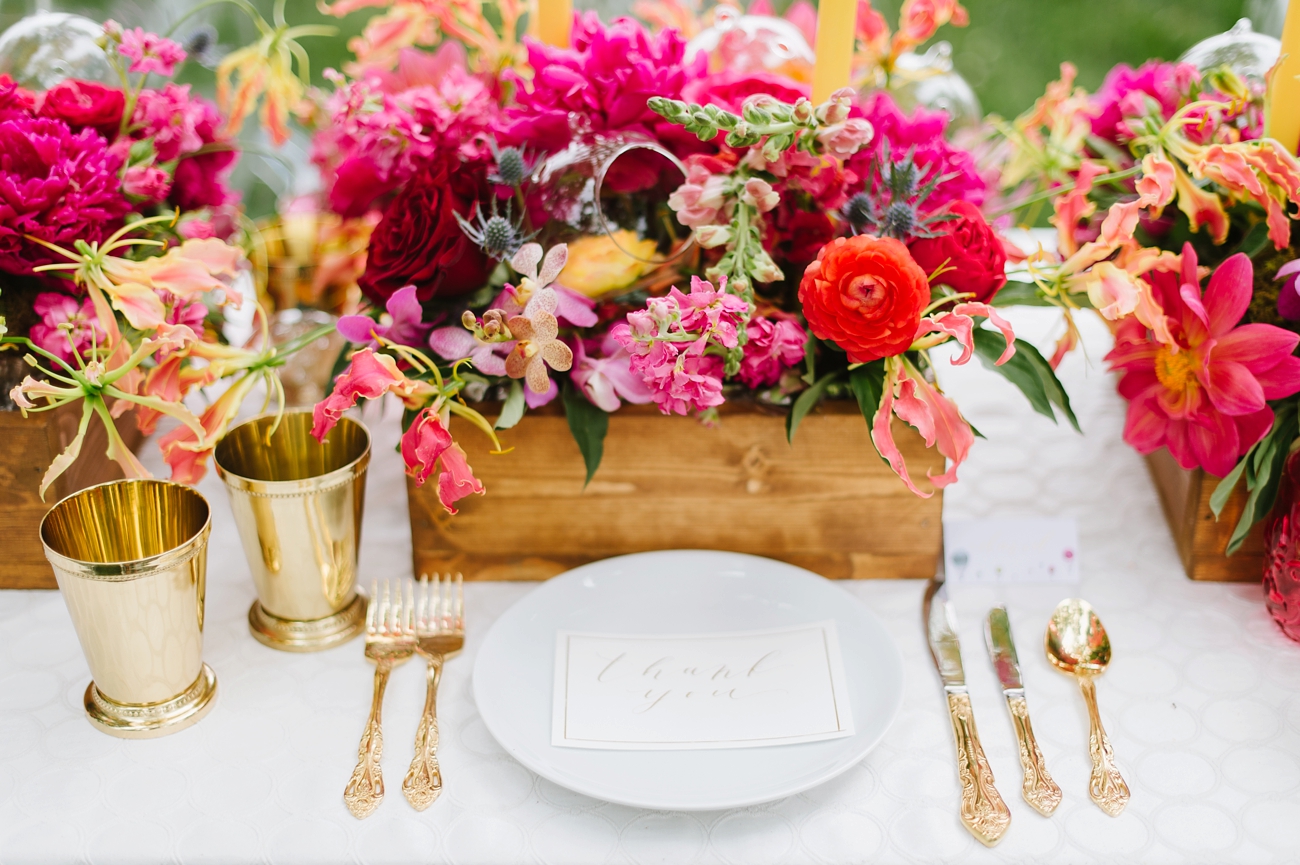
<point>866,295</point>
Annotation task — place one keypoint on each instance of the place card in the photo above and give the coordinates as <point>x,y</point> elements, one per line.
<point>741,689</point>
<point>1012,550</point>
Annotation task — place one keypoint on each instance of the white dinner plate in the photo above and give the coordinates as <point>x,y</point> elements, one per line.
<point>681,591</point>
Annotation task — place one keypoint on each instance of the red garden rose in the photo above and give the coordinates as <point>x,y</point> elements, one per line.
<point>85,105</point>
<point>968,246</point>
<point>418,241</point>
<point>865,294</point>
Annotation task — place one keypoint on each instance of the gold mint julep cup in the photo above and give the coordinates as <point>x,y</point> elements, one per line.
<point>130,559</point>
<point>298,505</point>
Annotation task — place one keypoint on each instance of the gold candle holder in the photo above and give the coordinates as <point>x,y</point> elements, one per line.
<point>298,505</point>
<point>130,559</point>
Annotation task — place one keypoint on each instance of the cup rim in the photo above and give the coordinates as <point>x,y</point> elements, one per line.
<point>315,483</point>
<point>130,568</point>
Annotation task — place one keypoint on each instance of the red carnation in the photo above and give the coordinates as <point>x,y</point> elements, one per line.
<point>418,242</point>
<point>971,255</point>
<point>85,105</point>
<point>865,294</point>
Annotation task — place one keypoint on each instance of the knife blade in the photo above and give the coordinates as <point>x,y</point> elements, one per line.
<point>1038,788</point>
<point>983,812</point>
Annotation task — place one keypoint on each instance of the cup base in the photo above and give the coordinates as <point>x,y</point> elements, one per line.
<point>293,635</point>
<point>151,720</point>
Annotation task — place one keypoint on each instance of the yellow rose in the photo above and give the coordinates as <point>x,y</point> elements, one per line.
<point>597,266</point>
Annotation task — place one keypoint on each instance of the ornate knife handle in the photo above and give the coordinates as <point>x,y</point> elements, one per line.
<point>982,809</point>
<point>1106,786</point>
<point>1039,790</point>
<point>365,790</point>
<point>423,782</point>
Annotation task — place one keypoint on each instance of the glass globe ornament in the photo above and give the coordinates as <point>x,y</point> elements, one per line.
<point>1241,49</point>
<point>754,43</point>
<point>41,50</point>
<point>929,80</point>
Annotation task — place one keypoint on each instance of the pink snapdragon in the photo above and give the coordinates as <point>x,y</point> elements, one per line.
<point>67,326</point>
<point>773,347</point>
<point>699,201</point>
<point>675,344</point>
<point>148,52</point>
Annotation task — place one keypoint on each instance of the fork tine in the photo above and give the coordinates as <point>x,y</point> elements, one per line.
<point>385,606</point>
<point>408,623</point>
<point>459,623</point>
<point>372,609</point>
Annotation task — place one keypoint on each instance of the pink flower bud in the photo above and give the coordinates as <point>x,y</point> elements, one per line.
<point>712,236</point>
<point>760,194</point>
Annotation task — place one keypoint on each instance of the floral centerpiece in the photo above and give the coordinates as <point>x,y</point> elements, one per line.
<point>122,244</point>
<point>816,250</point>
<point>1160,179</point>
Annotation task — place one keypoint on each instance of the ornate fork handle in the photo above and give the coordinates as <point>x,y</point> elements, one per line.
<point>423,782</point>
<point>365,789</point>
<point>1106,786</point>
<point>982,809</point>
<point>1038,788</point>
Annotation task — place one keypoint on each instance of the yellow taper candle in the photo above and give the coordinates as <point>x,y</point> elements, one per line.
<point>1283,121</point>
<point>554,20</point>
<point>836,22</point>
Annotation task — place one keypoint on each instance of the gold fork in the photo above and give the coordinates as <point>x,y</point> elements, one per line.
<point>439,634</point>
<point>390,640</point>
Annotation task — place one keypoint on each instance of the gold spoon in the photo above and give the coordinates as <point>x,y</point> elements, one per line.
<point>1077,644</point>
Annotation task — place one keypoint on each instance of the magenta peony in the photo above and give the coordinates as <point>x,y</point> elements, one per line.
<point>602,83</point>
<point>56,186</point>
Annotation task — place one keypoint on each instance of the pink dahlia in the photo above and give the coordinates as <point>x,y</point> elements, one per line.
<point>1203,393</point>
<point>603,81</point>
<point>922,131</point>
<point>67,325</point>
<point>56,186</point>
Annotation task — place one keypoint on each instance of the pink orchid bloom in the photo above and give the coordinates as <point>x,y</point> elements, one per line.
<point>537,346</point>
<point>455,343</point>
<point>370,376</point>
<point>571,306</point>
<point>608,379</point>
<point>1203,393</point>
<point>402,324</point>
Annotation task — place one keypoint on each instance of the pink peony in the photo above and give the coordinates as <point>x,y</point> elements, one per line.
<point>56,186</point>
<point>67,325</point>
<point>1204,394</point>
<point>602,84</point>
<point>772,348</point>
<point>148,52</point>
<point>924,131</point>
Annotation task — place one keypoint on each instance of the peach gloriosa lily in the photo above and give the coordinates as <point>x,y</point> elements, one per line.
<point>1203,392</point>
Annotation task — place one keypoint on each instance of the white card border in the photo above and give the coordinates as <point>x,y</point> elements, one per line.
<point>835,661</point>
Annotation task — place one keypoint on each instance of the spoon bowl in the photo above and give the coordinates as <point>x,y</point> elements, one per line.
<point>1076,640</point>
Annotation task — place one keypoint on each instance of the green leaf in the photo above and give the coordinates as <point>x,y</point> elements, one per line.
<point>589,424</point>
<point>1027,370</point>
<point>1255,240</point>
<point>1020,370</point>
<point>810,359</point>
<point>1224,490</point>
<point>805,403</point>
<point>1016,293</point>
<point>1267,465</point>
<point>514,407</point>
<point>868,385</point>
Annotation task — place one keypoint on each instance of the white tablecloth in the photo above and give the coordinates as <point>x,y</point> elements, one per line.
<point>1202,701</point>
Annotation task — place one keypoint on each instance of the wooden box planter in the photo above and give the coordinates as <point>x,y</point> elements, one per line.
<point>827,503</point>
<point>1201,540</point>
<point>27,446</point>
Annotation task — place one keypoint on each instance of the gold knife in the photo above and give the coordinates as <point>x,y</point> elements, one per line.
<point>1038,788</point>
<point>982,809</point>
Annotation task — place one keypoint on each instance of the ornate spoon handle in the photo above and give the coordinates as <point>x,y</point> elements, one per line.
<point>365,789</point>
<point>1039,790</point>
<point>1106,786</point>
<point>982,809</point>
<point>423,782</point>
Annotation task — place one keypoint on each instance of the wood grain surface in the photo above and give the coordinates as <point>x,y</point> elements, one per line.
<point>827,503</point>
